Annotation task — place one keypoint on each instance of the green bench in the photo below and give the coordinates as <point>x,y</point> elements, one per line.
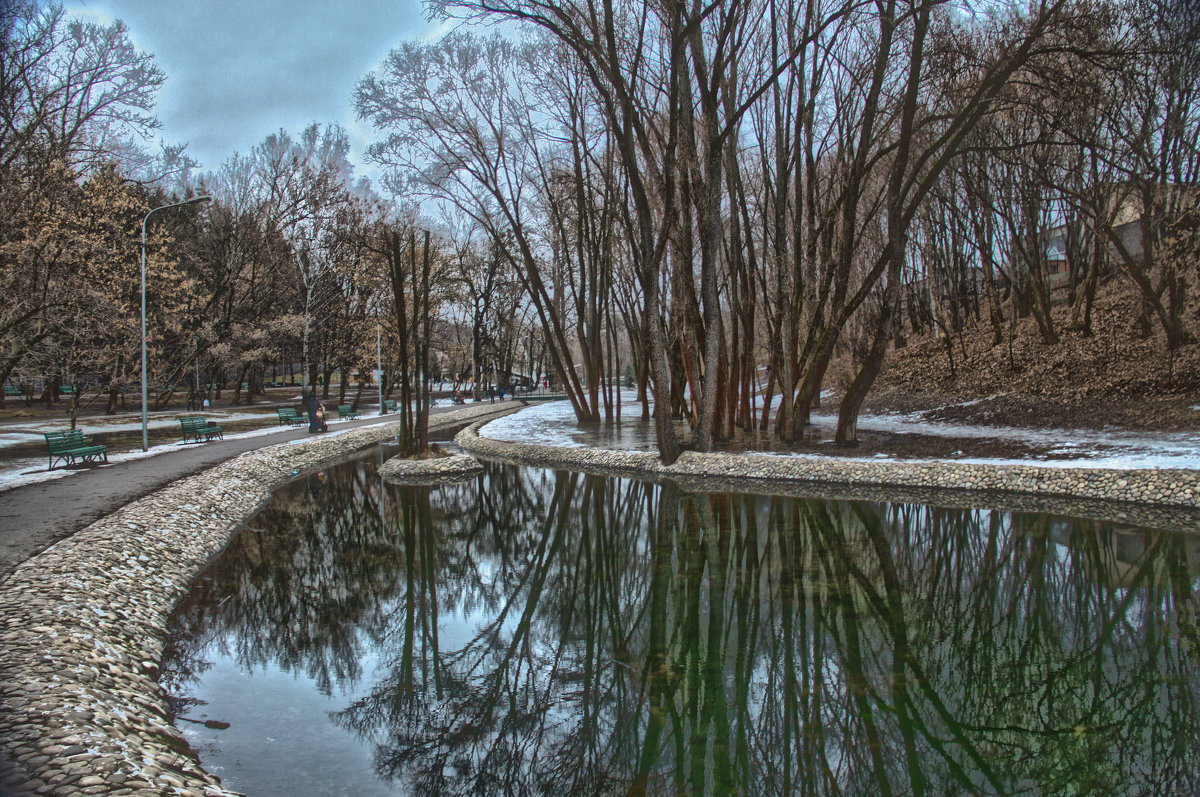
<point>197,426</point>
<point>71,446</point>
<point>346,412</point>
<point>10,390</point>
<point>289,417</point>
<point>389,405</point>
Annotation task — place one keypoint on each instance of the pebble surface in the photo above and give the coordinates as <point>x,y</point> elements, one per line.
<point>83,627</point>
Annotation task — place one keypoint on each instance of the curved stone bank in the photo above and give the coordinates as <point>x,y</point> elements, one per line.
<point>82,627</point>
<point>1166,499</point>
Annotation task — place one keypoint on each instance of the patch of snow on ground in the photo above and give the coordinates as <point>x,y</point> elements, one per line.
<point>1091,449</point>
<point>28,470</point>
<point>553,424</point>
<point>544,424</point>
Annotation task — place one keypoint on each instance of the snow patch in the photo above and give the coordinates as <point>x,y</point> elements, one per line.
<point>553,424</point>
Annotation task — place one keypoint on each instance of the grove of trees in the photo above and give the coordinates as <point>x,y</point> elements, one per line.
<point>729,202</point>
<point>290,263</point>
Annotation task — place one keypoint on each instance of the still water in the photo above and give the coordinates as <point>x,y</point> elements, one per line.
<point>543,632</point>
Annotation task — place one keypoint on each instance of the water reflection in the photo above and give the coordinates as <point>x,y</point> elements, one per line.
<point>545,632</point>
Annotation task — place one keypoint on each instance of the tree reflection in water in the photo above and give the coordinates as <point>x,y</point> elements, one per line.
<point>607,635</point>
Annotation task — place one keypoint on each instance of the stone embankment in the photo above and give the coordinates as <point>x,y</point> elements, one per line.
<point>83,626</point>
<point>1167,499</point>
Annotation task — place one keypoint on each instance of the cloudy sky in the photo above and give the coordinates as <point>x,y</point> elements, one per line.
<point>238,70</point>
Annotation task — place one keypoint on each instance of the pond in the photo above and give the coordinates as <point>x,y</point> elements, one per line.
<point>546,632</point>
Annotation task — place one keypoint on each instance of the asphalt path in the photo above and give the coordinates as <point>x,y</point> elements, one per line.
<point>35,516</point>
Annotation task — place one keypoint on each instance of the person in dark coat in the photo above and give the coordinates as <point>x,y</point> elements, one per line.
<point>313,404</point>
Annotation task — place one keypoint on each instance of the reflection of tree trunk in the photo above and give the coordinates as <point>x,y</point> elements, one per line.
<point>716,713</point>
<point>430,577</point>
<point>688,652</point>
<point>747,571</point>
<point>409,522</point>
<point>657,672</point>
<point>560,524</point>
<point>901,702</point>
<point>787,533</point>
<point>852,660</point>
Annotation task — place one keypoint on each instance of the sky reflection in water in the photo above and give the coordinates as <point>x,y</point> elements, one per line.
<point>539,632</point>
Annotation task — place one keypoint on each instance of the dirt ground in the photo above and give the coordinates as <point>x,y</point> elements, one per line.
<point>1118,378</point>
<point>1154,414</point>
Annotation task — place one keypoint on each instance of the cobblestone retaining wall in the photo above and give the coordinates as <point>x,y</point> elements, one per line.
<point>82,627</point>
<point>1167,499</point>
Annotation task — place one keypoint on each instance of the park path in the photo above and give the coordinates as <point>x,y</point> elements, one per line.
<point>35,516</point>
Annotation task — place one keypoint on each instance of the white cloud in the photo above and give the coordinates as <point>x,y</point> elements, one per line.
<point>238,71</point>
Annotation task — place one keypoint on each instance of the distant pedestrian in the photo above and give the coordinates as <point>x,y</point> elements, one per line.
<point>313,405</point>
<point>502,392</point>
<point>491,394</point>
<point>206,403</point>
<point>191,400</point>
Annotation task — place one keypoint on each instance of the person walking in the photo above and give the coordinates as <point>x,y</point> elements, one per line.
<point>312,404</point>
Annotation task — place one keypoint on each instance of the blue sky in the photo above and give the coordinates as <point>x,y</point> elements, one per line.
<point>238,70</point>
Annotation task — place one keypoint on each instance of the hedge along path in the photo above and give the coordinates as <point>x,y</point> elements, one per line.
<point>83,626</point>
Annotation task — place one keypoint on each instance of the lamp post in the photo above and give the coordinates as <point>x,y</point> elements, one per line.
<point>379,367</point>
<point>194,200</point>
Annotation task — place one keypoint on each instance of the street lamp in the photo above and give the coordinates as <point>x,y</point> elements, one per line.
<point>193,201</point>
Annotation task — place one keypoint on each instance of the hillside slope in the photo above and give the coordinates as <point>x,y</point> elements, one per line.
<point>1116,378</point>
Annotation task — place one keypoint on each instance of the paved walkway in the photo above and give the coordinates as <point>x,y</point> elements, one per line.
<point>35,516</point>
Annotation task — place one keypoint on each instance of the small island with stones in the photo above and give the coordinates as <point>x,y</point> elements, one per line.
<point>437,465</point>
